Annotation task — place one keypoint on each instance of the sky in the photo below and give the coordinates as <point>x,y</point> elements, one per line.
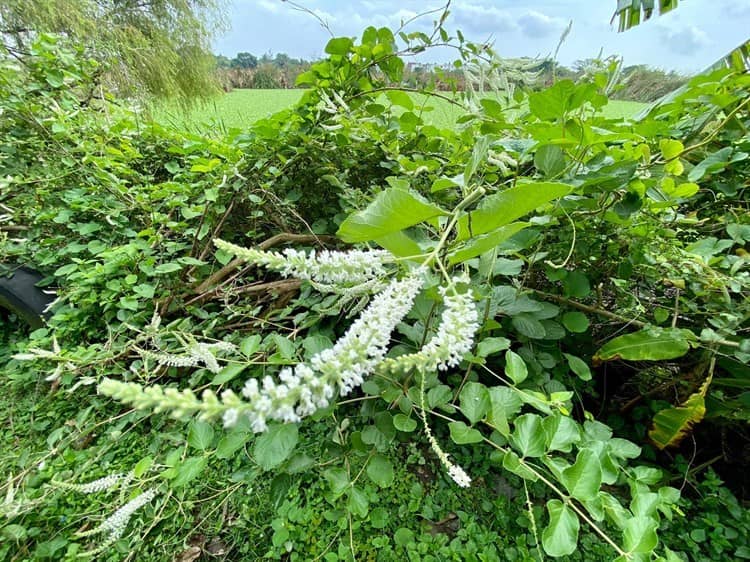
<point>687,40</point>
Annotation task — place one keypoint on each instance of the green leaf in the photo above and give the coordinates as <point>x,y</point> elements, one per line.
<point>529,326</point>
<point>639,535</point>
<point>578,366</point>
<point>575,322</point>
<point>170,267</point>
<point>554,102</point>
<point>515,367</point>
<point>550,160</point>
<point>200,435</point>
<point>358,503</point>
<point>392,210</point>
<point>562,432</point>
<point>339,46</point>
<point>712,163</point>
<point>404,423</point>
<point>528,435</point>
<point>512,463</point>
<point>439,395</point>
<point>188,470</point>
<point>380,471</point>
<point>232,442</point>
<point>503,208</point>
<point>560,536</point>
<point>227,373</point>
<point>400,98</point>
<point>491,346</point>
<point>399,244</point>
<point>462,434</point>
<point>250,345</point>
<point>584,478</point>
<point>275,445</point>
<point>652,344</point>
<point>576,284</point>
<point>338,480</point>
<point>480,244</point>
<point>474,401</point>
<point>505,404</point>
<point>143,466</point>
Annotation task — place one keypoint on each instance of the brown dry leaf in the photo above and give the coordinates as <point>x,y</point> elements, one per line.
<point>190,555</point>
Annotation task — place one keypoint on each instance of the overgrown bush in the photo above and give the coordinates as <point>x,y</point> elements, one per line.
<point>517,283</point>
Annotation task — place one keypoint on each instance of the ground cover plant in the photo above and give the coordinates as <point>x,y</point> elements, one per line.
<point>347,333</point>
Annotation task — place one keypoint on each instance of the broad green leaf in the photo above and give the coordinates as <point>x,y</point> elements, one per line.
<point>143,466</point>
<point>170,267</point>
<point>550,160</point>
<point>399,244</point>
<point>562,432</point>
<point>712,163</point>
<point>232,442</point>
<point>528,435</point>
<point>339,46</point>
<point>338,480</point>
<point>392,210</point>
<point>614,510</point>
<point>462,434</point>
<point>358,503</point>
<point>515,367</point>
<point>227,373</point>
<point>513,463</point>
<point>576,284</point>
<point>250,345</point>
<point>380,471</point>
<point>490,346</point>
<point>275,445</point>
<point>575,322</point>
<point>671,425</point>
<point>584,478</point>
<point>554,102</point>
<point>404,423</point>
<point>506,206</point>
<point>400,98</point>
<point>529,326</point>
<point>439,395</point>
<point>578,366</point>
<point>474,401</point>
<point>560,536</point>
<point>480,244</point>
<point>639,535</point>
<point>188,470</point>
<point>652,344</point>
<point>200,435</point>
<point>505,404</point>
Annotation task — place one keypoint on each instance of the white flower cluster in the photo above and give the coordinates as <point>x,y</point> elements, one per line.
<point>306,388</point>
<point>454,338</point>
<point>301,390</point>
<point>325,268</point>
<point>195,354</point>
<point>94,486</point>
<point>114,525</point>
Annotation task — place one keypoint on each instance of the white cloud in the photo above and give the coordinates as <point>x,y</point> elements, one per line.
<point>685,40</point>
<point>482,19</point>
<point>537,24</point>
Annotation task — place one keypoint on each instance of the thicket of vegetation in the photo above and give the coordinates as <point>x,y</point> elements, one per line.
<point>519,338</point>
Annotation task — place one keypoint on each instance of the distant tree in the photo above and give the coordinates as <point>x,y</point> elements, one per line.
<point>160,47</point>
<point>244,60</point>
<point>266,77</point>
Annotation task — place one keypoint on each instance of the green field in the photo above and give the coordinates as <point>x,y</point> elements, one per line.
<point>241,108</point>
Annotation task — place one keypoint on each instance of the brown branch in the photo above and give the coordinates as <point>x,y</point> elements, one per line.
<point>591,309</point>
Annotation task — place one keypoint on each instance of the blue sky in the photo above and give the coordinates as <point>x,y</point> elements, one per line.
<point>688,39</point>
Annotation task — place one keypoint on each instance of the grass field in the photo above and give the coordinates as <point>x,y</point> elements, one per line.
<point>241,108</point>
